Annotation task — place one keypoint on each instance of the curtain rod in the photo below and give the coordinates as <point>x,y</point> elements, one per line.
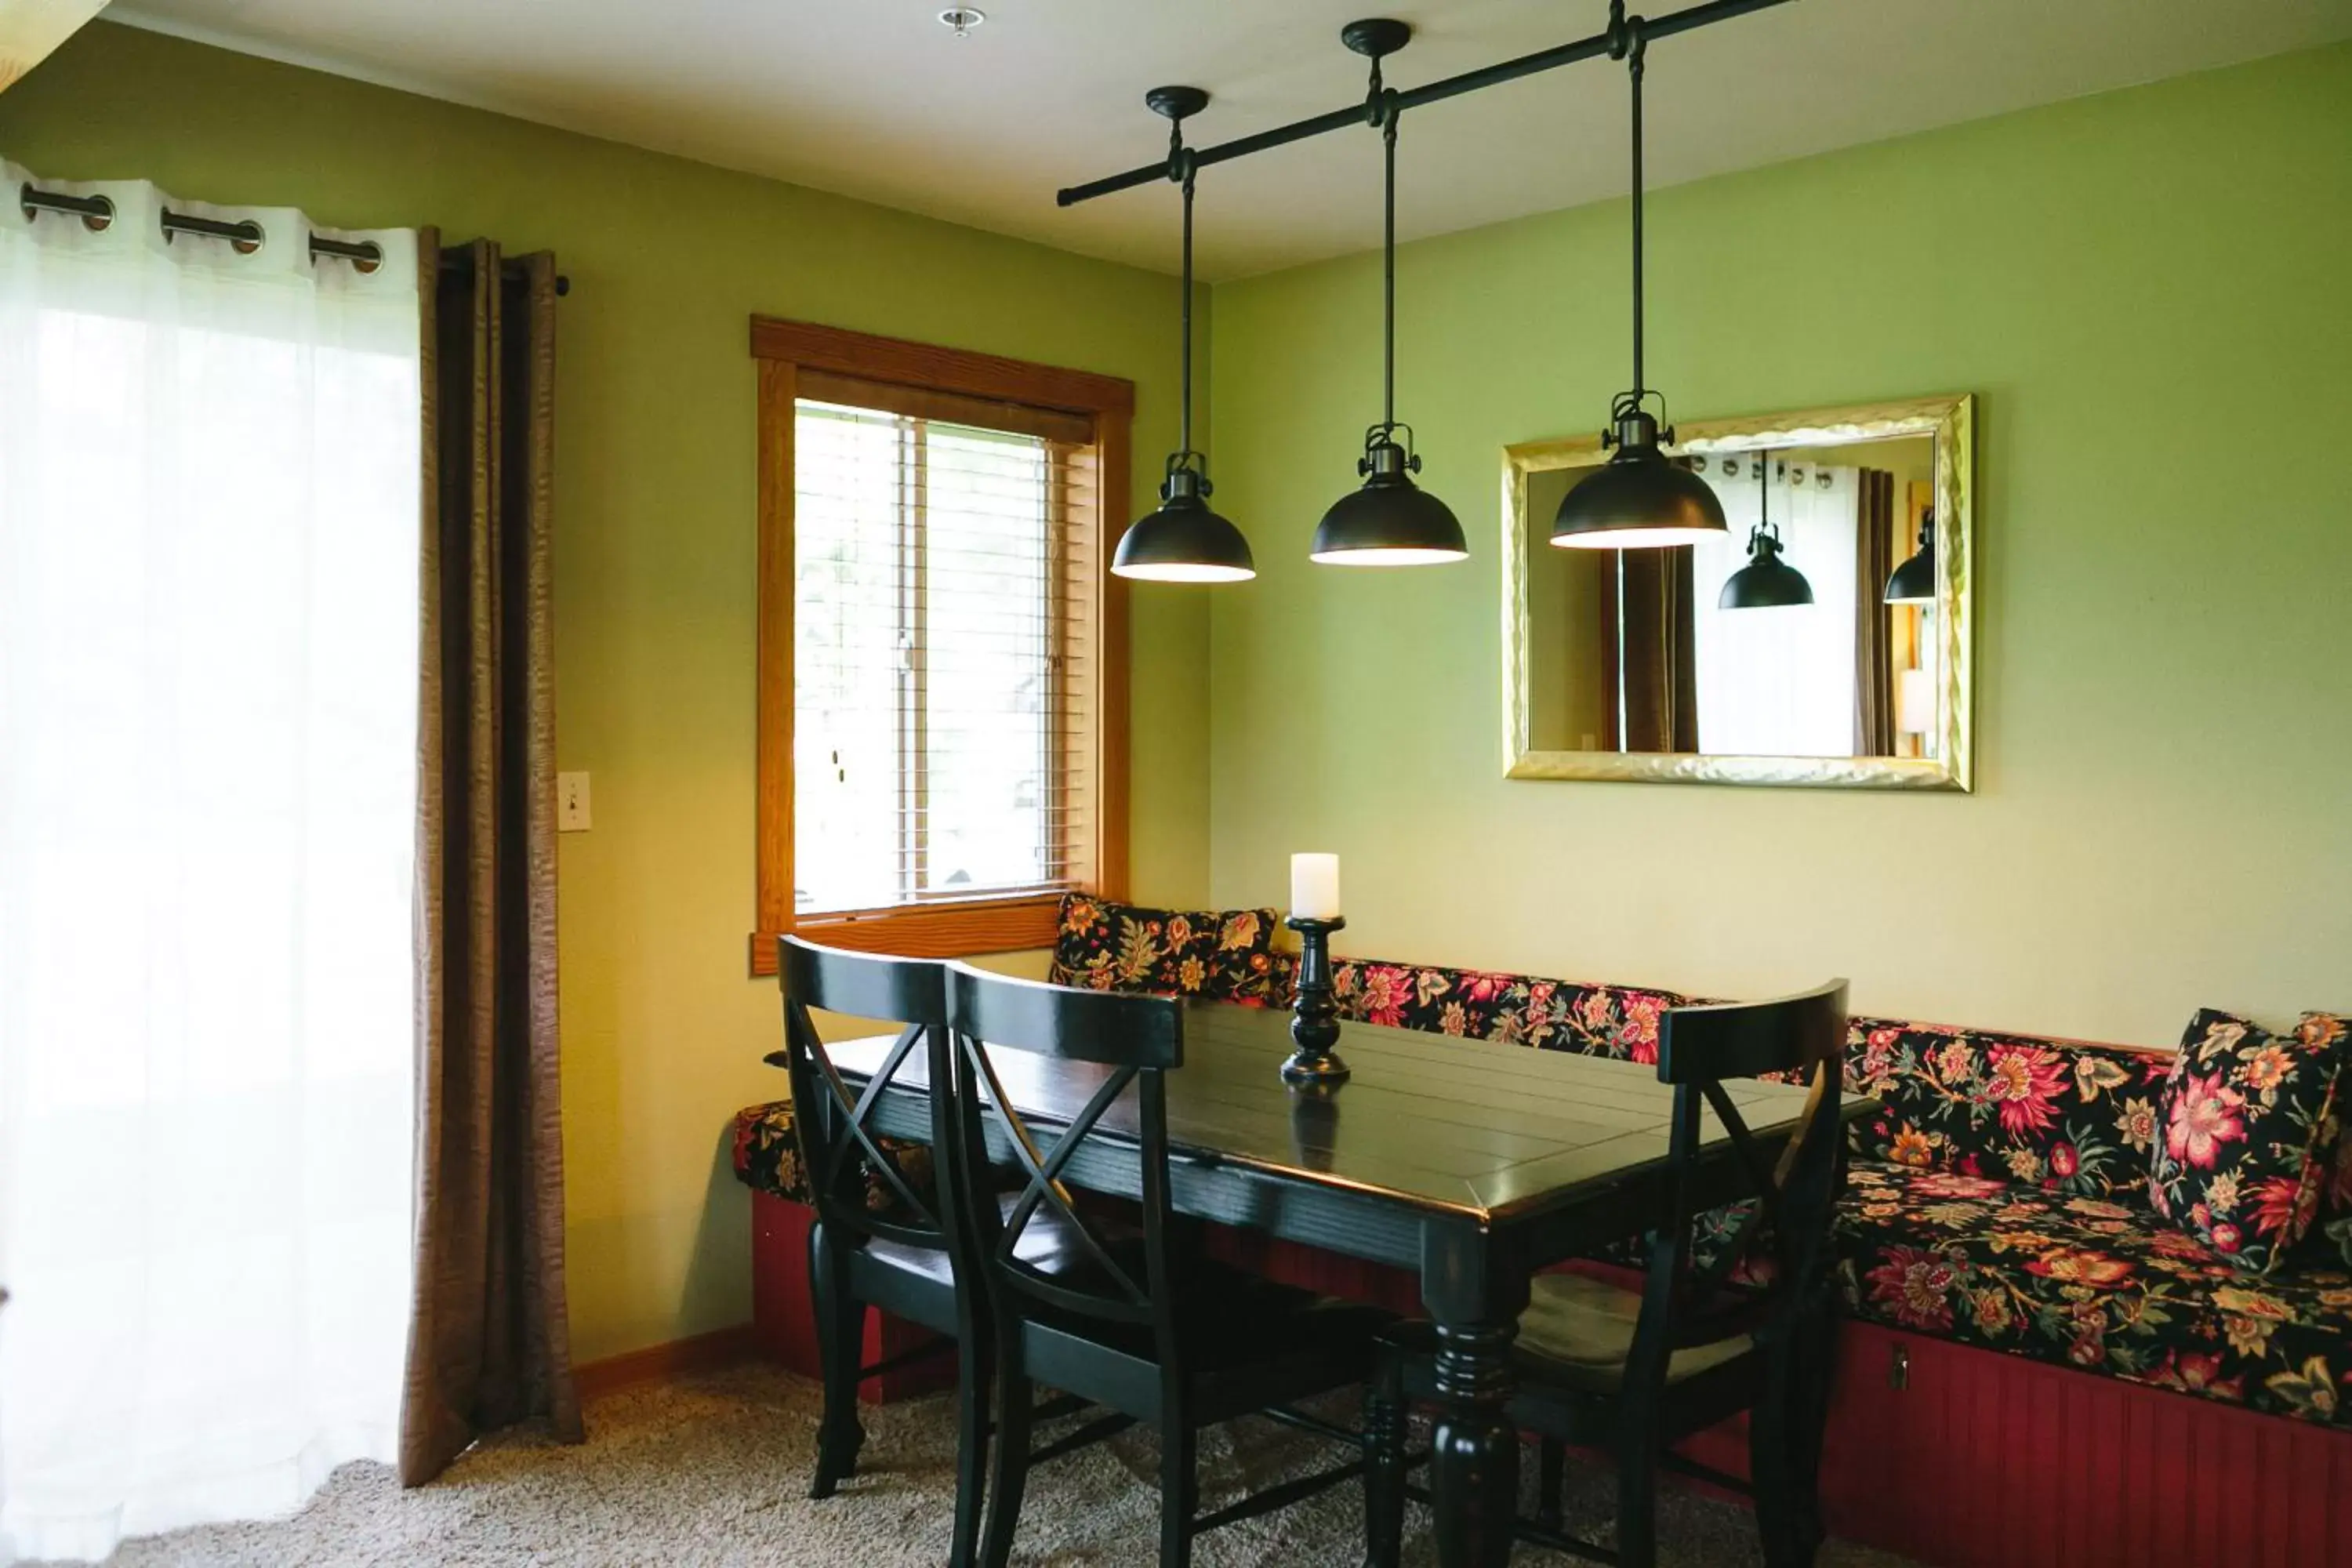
<point>97,213</point>
<point>1451,87</point>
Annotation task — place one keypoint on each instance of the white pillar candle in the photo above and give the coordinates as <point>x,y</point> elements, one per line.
<point>1314,887</point>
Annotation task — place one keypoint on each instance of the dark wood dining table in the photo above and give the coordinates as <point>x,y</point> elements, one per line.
<point>1470,1163</point>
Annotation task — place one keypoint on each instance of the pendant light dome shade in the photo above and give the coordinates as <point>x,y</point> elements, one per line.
<point>1914,582</point>
<point>1390,521</point>
<point>1185,541</point>
<point>1640,498</point>
<point>1767,582</point>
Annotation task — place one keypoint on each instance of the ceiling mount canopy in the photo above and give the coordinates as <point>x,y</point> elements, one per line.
<point>1389,521</point>
<point>1639,498</point>
<point>1767,582</point>
<point>1184,541</point>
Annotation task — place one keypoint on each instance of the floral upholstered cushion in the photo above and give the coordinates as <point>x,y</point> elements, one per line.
<point>767,1154</point>
<point>2076,1118</point>
<point>2245,1121</point>
<point>2096,1283</point>
<point>768,1157</point>
<point>1619,1021</point>
<point>1220,955</point>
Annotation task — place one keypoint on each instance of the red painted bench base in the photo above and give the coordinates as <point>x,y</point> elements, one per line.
<point>1984,1460</point>
<point>784,1323</point>
<point>1979,1460</point>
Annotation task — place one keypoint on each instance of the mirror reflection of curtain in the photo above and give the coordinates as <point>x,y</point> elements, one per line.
<point>1780,682</point>
<point>1651,602</point>
<point>1874,698</point>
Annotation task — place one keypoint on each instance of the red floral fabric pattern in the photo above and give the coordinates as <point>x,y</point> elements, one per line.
<point>2103,1285</point>
<point>2246,1120</point>
<point>2075,1118</point>
<point>768,1157</point>
<point>1619,1021</point>
<point>1223,956</point>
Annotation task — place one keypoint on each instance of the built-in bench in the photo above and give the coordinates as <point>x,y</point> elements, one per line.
<point>1998,1200</point>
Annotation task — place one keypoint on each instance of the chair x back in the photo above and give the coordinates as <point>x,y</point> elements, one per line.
<point>838,1146</point>
<point>1135,1040</point>
<point>1743,1324</point>
<point>883,1237</point>
<point>1141,1325</point>
<point>1779,1246</point>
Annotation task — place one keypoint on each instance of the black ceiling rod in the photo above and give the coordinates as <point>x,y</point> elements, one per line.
<point>1593,48</point>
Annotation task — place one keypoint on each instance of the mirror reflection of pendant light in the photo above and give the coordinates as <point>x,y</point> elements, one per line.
<point>1390,521</point>
<point>1183,541</point>
<point>1640,497</point>
<point>1914,582</point>
<point>1767,582</point>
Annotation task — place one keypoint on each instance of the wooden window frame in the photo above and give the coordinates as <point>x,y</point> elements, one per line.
<point>784,349</point>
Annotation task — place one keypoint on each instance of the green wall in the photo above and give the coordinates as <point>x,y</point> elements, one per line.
<point>2147,292</point>
<point>662,1030</point>
<point>2130,282</point>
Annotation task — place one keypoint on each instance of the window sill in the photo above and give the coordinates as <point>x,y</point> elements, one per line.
<point>927,930</point>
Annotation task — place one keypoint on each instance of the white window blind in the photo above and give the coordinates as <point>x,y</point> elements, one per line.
<point>944,677</point>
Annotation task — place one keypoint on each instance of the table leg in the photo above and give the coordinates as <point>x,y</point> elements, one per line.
<point>1475,1452</point>
<point>1475,1292</point>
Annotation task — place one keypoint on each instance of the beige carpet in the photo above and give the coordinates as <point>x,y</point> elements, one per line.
<point>716,1472</point>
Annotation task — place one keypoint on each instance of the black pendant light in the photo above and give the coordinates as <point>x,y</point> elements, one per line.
<point>1390,521</point>
<point>1183,541</point>
<point>1914,582</point>
<point>1639,497</point>
<point>1767,582</point>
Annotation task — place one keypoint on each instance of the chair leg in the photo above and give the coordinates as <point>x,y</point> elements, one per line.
<point>1783,1449</point>
<point>1551,1466</point>
<point>1009,1471</point>
<point>1176,1457</point>
<point>974,1378</point>
<point>1637,1502</point>
<point>1384,1430</point>
<point>840,1322</point>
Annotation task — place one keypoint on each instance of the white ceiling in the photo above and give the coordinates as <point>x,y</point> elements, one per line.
<point>875,98</point>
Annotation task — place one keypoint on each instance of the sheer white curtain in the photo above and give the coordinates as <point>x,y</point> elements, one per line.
<point>1780,682</point>
<point>209,494</point>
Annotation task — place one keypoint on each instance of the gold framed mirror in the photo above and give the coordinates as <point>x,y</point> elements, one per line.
<point>1815,659</point>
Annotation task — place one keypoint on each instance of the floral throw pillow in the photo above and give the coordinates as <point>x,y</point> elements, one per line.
<point>1220,955</point>
<point>2243,1123</point>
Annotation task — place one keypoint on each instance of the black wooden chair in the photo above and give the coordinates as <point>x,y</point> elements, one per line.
<point>1634,1372</point>
<point>893,1256</point>
<point>1141,1323</point>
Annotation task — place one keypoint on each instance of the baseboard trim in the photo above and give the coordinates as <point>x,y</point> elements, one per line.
<point>666,1362</point>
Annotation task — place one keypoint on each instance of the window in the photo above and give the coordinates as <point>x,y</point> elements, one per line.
<point>942,672</point>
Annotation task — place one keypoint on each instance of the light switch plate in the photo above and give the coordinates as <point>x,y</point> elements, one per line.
<point>571,802</point>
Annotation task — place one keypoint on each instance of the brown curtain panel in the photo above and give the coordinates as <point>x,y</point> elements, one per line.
<point>1874,674</point>
<point>1658,665</point>
<point>488,1345</point>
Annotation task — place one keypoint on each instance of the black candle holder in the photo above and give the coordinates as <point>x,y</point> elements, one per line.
<point>1314,1017</point>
